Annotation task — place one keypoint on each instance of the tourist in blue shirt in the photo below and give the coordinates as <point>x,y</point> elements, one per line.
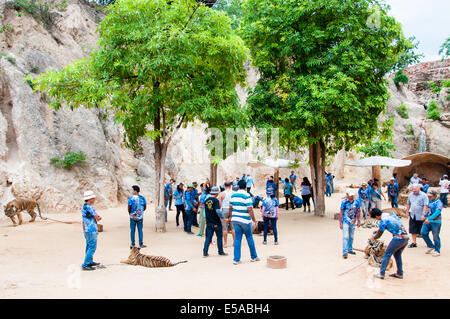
<point>269,211</point>
<point>398,243</point>
<point>293,179</point>
<point>298,202</point>
<point>179,204</point>
<point>328,185</point>
<point>136,207</point>
<point>331,176</point>
<point>201,207</point>
<point>196,196</point>
<point>349,217</point>
<point>271,187</point>
<point>393,192</point>
<point>189,201</point>
<point>168,193</point>
<point>425,185</point>
<point>375,195</point>
<point>90,219</point>
<point>288,188</point>
<point>433,222</point>
<point>250,184</point>
<point>363,197</point>
<point>395,178</point>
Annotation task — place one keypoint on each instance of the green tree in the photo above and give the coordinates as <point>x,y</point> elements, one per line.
<point>322,66</point>
<point>233,8</point>
<point>445,49</point>
<point>160,65</point>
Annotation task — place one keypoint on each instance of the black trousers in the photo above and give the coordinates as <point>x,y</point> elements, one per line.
<point>180,209</point>
<point>306,200</point>
<point>291,199</point>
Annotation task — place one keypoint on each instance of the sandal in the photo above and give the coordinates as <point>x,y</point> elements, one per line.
<point>396,276</point>
<point>378,276</point>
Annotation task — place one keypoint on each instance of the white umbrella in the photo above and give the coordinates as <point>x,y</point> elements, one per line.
<point>380,161</point>
<point>279,163</point>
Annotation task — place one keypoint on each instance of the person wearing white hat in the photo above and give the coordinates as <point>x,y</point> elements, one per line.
<point>349,216</point>
<point>90,219</point>
<point>393,192</point>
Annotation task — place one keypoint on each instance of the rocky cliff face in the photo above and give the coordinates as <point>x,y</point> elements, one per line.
<point>31,133</point>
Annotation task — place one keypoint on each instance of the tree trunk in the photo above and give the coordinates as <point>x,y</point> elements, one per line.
<point>213,174</point>
<point>317,165</point>
<point>160,160</point>
<point>376,173</point>
<point>277,182</point>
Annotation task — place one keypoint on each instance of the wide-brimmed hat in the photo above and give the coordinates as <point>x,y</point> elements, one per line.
<point>88,195</point>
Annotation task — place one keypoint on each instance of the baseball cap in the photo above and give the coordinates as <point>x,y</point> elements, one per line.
<point>364,184</point>
<point>190,186</point>
<point>392,179</point>
<point>215,190</point>
<point>433,192</point>
<point>350,192</point>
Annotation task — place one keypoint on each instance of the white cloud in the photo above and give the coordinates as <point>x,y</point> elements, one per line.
<point>428,21</point>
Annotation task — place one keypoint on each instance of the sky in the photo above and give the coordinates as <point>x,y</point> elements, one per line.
<point>427,20</point>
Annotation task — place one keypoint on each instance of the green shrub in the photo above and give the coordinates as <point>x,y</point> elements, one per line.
<point>446,83</point>
<point>6,27</point>
<point>409,130</point>
<point>400,77</point>
<point>69,160</point>
<point>38,9</point>
<point>11,60</point>
<point>34,69</point>
<point>402,110</point>
<point>433,111</point>
<point>435,88</point>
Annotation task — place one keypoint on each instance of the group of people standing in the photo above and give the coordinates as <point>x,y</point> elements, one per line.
<point>423,210</point>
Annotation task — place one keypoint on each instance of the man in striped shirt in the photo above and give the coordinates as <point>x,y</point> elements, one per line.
<point>241,216</point>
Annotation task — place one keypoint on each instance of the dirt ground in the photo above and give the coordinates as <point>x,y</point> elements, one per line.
<point>42,260</point>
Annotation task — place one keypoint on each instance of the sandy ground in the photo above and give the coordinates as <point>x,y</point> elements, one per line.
<point>42,260</point>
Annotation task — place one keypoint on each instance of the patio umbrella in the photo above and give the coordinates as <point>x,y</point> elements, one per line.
<point>376,161</point>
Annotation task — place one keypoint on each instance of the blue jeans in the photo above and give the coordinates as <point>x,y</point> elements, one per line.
<point>91,246</point>
<point>133,224</point>
<point>443,198</point>
<point>189,220</point>
<point>273,222</point>
<point>394,202</point>
<point>241,229</point>
<point>332,187</point>
<point>212,229</point>
<point>328,190</point>
<point>435,229</point>
<point>395,248</point>
<point>365,207</point>
<point>169,202</point>
<point>348,232</point>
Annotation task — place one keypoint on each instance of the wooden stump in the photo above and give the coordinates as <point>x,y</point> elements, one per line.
<point>276,262</point>
<point>100,228</point>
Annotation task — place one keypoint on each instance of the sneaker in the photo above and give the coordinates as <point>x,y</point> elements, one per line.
<point>198,235</point>
<point>94,264</point>
<point>87,268</point>
<point>412,245</point>
<point>352,252</point>
<point>264,243</point>
<point>436,254</point>
<point>223,254</point>
<point>276,243</point>
<point>206,255</point>
<point>429,251</point>
<point>178,226</point>
<point>237,262</point>
<point>255,259</point>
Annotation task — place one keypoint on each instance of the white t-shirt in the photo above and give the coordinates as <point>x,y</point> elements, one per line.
<point>444,185</point>
<point>226,200</point>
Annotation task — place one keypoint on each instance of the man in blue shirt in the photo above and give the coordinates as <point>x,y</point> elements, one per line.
<point>168,193</point>
<point>293,179</point>
<point>398,243</point>
<point>328,184</point>
<point>288,188</point>
<point>392,191</point>
<point>363,197</point>
<point>271,187</point>
<point>250,184</point>
<point>425,185</point>
<point>136,207</point>
<point>190,209</point>
<point>349,217</point>
<point>90,219</point>
<point>196,196</point>
<point>433,222</point>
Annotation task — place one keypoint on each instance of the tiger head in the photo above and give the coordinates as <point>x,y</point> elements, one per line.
<point>10,209</point>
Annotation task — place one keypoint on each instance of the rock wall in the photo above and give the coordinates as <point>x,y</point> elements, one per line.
<point>31,133</point>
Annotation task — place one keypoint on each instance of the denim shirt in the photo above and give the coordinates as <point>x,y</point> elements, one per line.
<point>89,224</point>
<point>433,214</point>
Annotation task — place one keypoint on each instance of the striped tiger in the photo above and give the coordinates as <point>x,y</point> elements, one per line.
<point>138,259</point>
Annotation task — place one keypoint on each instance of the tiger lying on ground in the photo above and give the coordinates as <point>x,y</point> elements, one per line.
<point>18,205</point>
<point>138,259</point>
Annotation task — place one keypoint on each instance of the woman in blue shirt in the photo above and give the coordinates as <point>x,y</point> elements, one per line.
<point>433,222</point>
<point>375,196</point>
<point>179,204</point>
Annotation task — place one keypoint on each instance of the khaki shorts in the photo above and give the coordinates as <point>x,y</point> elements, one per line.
<point>226,214</point>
